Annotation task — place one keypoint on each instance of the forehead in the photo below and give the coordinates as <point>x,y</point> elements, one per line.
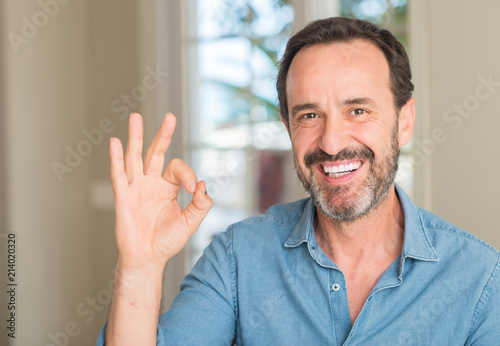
<point>338,70</point>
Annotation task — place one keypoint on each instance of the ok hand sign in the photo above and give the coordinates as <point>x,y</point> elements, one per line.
<point>150,226</point>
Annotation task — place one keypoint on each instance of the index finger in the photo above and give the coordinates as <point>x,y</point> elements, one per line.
<point>155,156</point>
<point>179,173</point>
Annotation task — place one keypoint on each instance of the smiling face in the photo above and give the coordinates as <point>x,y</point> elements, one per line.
<point>344,129</point>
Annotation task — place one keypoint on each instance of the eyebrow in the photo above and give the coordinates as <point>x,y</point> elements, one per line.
<point>358,101</point>
<point>303,106</point>
<point>347,102</point>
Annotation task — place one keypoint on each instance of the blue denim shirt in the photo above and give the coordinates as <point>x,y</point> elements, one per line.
<point>265,281</point>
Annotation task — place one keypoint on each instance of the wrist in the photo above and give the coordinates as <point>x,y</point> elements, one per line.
<point>150,269</point>
<point>150,275</point>
<point>136,304</point>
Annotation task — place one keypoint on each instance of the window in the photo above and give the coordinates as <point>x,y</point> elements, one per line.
<point>239,145</point>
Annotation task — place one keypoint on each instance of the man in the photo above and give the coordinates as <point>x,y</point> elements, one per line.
<point>357,263</point>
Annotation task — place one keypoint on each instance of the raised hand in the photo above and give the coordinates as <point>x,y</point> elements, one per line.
<point>150,226</point>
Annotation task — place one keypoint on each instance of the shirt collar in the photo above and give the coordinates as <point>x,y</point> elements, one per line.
<point>416,243</point>
<point>303,229</point>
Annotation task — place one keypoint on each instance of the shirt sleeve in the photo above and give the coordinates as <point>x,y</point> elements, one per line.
<point>204,312</point>
<point>486,324</point>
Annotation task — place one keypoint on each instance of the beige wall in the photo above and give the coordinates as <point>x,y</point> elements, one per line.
<point>455,51</point>
<point>47,103</point>
<point>62,80</point>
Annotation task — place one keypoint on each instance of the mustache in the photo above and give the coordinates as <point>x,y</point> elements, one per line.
<point>318,155</point>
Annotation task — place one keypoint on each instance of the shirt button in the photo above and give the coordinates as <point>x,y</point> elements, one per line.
<point>335,287</point>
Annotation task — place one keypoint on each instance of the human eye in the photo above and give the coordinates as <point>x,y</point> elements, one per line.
<point>358,112</point>
<point>309,116</point>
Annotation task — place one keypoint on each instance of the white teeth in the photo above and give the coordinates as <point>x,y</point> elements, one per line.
<point>337,175</point>
<point>340,170</point>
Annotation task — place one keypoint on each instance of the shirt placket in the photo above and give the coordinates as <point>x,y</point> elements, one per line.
<point>339,305</point>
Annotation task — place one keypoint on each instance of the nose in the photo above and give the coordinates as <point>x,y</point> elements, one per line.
<point>335,135</point>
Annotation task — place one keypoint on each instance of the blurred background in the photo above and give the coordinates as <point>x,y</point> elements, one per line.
<point>72,71</point>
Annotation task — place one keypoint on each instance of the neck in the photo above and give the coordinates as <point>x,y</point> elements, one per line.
<point>375,237</point>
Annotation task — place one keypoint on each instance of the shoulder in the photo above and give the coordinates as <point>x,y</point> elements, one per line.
<point>276,223</point>
<point>278,215</point>
<point>271,228</point>
<point>451,237</point>
<point>467,270</point>
<point>462,254</point>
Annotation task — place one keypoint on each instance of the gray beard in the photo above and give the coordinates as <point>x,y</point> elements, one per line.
<point>373,190</point>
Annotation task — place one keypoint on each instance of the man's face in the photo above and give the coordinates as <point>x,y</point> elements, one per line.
<point>343,126</point>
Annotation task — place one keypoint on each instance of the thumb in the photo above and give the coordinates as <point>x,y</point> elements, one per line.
<point>196,211</point>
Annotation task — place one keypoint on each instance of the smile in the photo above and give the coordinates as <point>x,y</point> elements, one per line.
<point>339,170</point>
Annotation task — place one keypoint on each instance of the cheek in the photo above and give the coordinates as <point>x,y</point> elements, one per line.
<point>303,141</point>
<point>376,136</point>
<point>305,137</point>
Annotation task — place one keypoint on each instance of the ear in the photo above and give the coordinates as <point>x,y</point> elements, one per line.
<point>406,122</point>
